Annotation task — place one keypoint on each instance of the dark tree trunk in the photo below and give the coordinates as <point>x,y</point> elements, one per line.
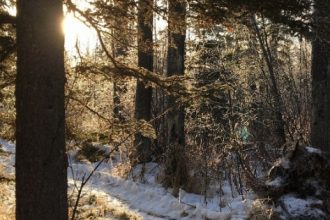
<point>143,93</point>
<point>175,118</point>
<point>120,50</point>
<point>320,128</point>
<point>175,66</point>
<point>118,92</point>
<point>41,163</point>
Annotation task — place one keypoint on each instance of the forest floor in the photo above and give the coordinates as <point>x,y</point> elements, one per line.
<point>108,196</point>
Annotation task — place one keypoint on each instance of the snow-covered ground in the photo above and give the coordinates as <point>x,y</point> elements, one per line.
<point>111,197</point>
<point>150,200</point>
<point>107,196</point>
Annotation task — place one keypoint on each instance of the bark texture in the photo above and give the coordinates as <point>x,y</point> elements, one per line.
<point>320,128</point>
<point>120,50</point>
<point>143,93</point>
<point>175,171</point>
<point>41,162</point>
<point>175,66</point>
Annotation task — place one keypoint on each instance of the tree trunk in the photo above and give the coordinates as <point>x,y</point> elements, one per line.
<point>175,66</point>
<point>41,163</point>
<point>118,90</point>
<point>143,93</point>
<point>320,128</point>
<point>120,50</point>
<point>175,118</point>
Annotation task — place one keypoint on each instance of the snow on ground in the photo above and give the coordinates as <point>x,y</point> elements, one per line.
<point>277,182</point>
<point>7,173</point>
<point>7,146</point>
<point>141,199</point>
<point>298,208</point>
<point>313,150</point>
<point>7,161</point>
<point>151,200</point>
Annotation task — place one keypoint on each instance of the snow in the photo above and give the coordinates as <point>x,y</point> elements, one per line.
<point>298,207</point>
<point>7,189</point>
<point>283,162</point>
<point>313,150</point>
<point>7,146</point>
<point>150,199</point>
<point>8,162</point>
<point>142,198</point>
<point>277,182</point>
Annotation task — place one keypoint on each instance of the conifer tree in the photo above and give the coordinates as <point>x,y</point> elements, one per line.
<point>320,128</point>
<point>145,60</point>
<point>41,163</point>
<point>120,50</point>
<point>175,168</point>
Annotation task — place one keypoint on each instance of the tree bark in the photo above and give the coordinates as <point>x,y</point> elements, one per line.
<point>320,128</point>
<point>175,66</point>
<point>143,93</point>
<point>41,162</point>
<point>120,50</point>
<point>176,168</point>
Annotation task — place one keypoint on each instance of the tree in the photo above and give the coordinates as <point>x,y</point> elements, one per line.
<point>296,16</point>
<point>41,163</point>
<point>320,128</point>
<point>120,50</point>
<point>175,66</point>
<point>267,54</point>
<point>145,60</point>
<point>176,170</point>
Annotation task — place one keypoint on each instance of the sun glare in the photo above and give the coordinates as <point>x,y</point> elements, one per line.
<point>78,34</point>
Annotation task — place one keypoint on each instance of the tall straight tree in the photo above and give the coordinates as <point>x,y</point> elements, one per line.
<point>175,66</point>
<point>145,60</point>
<point>175,117</point>
<point>120,50</point>
<point>41,163</point>
<point>320,129</point>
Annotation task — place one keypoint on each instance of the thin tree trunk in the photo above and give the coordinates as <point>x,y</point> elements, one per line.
<point>280,124</point>
<point>41,163</point>
<point>118,106</point>
<point>320,128</point>
<point>143,93</point>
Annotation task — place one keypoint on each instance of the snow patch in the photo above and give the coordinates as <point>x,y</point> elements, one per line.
<point>7,146</point>
<point>297,207</point>
<point>313,150</point>
<point>277,182</point>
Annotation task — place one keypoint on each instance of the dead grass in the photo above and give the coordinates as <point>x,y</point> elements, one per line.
<point>121,170</point>
<point>95,206</point>
<point>7,200</point>
<point>260,210</point>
